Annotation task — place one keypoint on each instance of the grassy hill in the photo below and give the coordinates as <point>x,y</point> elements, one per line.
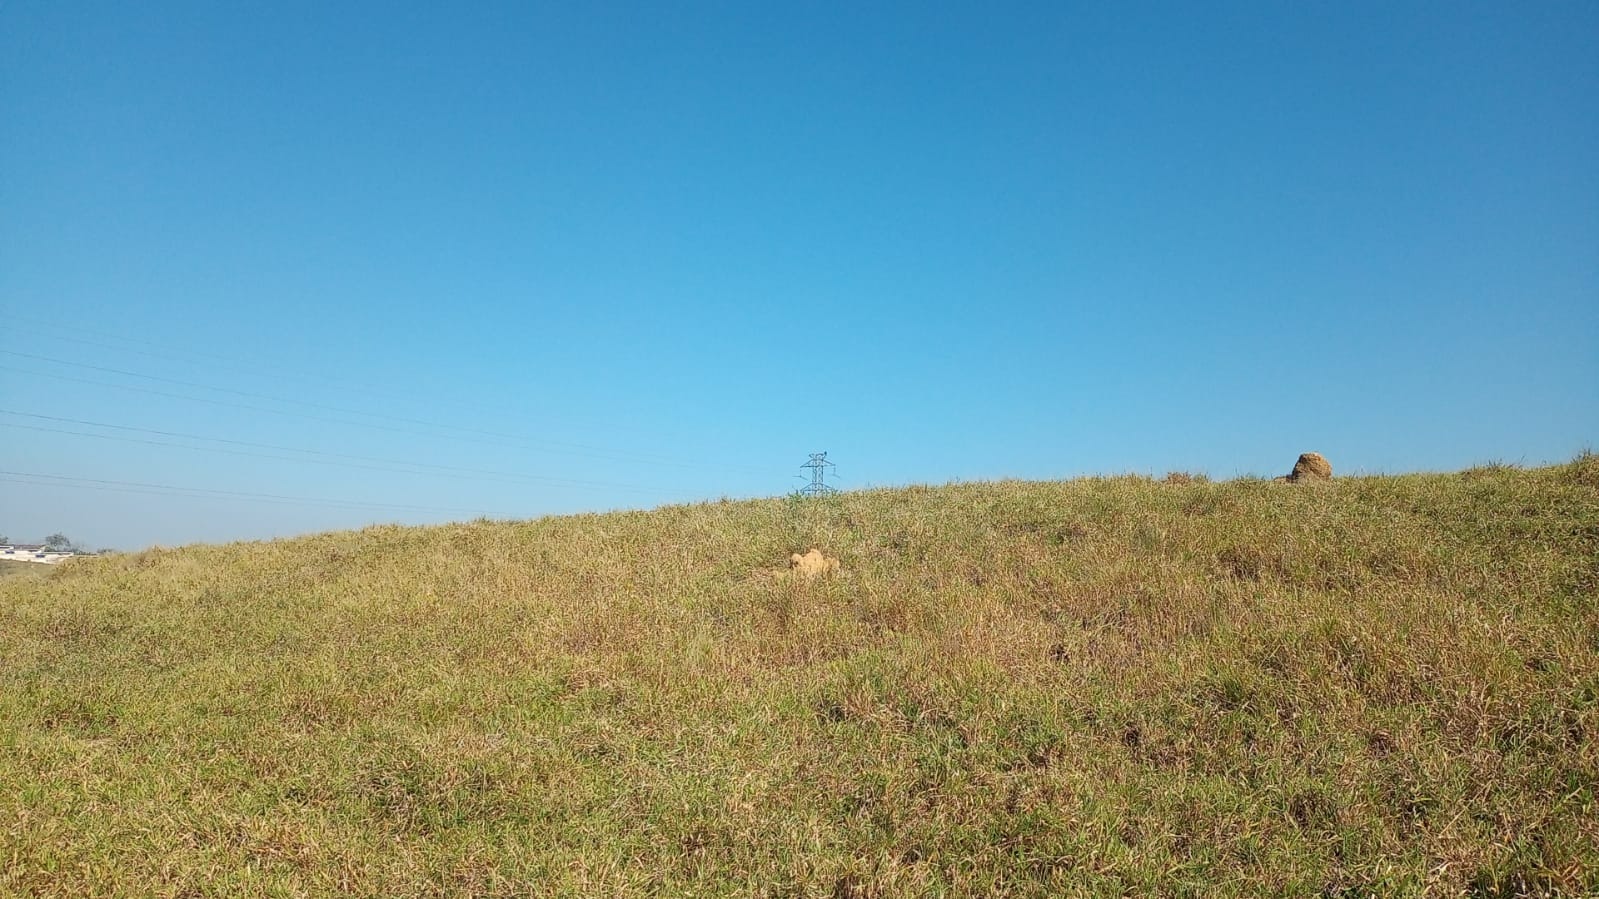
<point>1378,686</point>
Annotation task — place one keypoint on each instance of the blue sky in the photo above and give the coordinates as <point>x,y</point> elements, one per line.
<point>668,252</point>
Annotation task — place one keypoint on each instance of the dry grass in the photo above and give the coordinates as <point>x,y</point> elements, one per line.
<point>10,568</point>
<point>1378,686</point>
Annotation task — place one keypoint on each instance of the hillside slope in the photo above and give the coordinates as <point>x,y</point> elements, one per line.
<point>1376,686</point>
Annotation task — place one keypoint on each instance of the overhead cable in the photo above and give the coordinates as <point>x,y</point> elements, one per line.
<point>290,449</point>
<point>24,477</point>
<point>478,433</point>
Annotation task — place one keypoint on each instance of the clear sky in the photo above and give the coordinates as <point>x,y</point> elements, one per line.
<point>419,264</point>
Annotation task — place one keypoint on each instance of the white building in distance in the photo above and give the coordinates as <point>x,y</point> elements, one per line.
<point>32,552</point>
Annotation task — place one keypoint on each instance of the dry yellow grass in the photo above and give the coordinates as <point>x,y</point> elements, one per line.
<point>1378,686</point>
<point>10,569</point>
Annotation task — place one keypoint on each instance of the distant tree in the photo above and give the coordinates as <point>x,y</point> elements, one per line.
<point>60,543</point>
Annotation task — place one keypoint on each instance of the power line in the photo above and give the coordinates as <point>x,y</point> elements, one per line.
<point>271,398</point>
<point>214,402</point>
<point>290,449</point>
<point>50,480</point>
<point>196,357</point>
<point>416,468</point>
<point>602,454</point>
<point>435,428</point>
<point>169,353</point>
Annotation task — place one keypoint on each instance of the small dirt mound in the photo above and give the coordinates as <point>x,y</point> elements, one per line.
<point>812,565</point>
<point>1310,467</point>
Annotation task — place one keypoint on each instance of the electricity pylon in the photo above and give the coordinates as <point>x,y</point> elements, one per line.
<point>818,485</point>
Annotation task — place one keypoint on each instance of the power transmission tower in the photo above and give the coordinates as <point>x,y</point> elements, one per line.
<point>818,485</point>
